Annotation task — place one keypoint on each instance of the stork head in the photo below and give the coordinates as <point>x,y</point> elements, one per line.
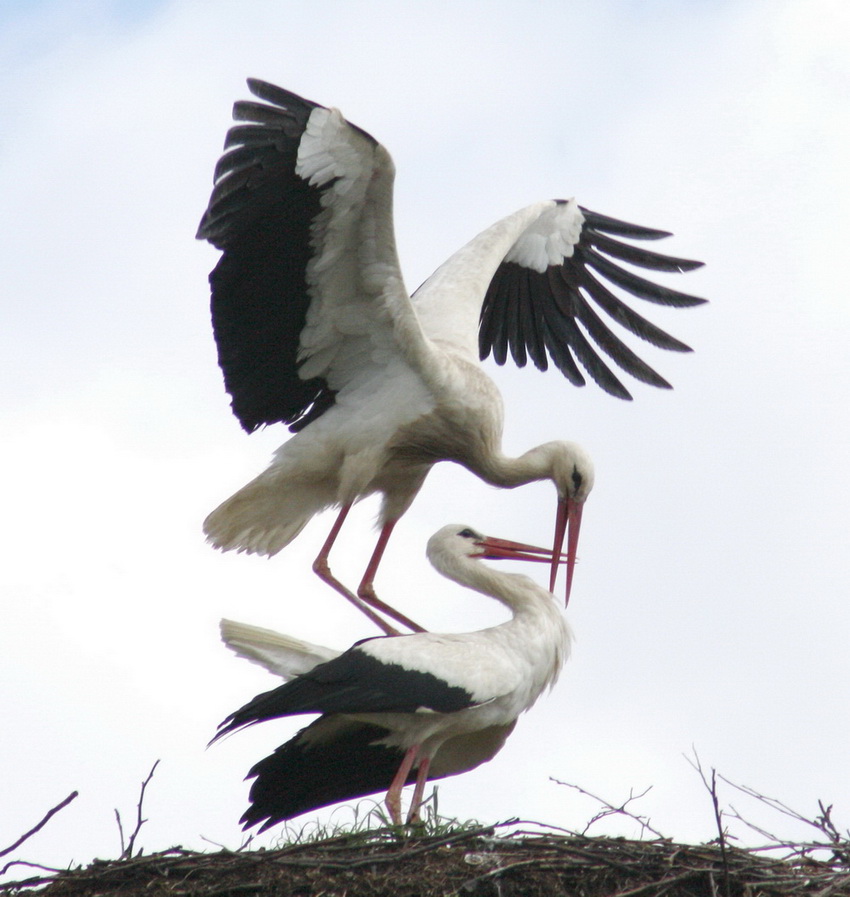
<point>458,540</point>
<point>572,473</point>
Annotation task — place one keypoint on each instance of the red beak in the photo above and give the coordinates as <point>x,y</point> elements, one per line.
<point>494,549</point>
<point>567,523</point>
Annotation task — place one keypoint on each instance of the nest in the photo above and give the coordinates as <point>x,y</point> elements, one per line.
<point>474,862</point>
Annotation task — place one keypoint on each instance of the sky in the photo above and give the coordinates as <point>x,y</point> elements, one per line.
<point>710,602</point>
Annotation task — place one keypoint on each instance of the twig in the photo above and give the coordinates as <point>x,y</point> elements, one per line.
<point>841,849</point>
<point>711,787</point>
<point>120,829</point>
<point>611,810</point>
<point>838,844</point>
<point>44,821</point>
<point>11,863</point>
<point>127,852</point>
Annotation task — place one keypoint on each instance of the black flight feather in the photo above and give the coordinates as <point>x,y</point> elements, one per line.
<point>529,313</point>
<point>260,214</point>
<point>354,682</point>
<point>311,771</point>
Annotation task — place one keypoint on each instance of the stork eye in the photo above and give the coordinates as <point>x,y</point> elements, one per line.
<point>469,534</point>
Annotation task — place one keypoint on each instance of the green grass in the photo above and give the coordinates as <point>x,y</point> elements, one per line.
<point>368,821</point>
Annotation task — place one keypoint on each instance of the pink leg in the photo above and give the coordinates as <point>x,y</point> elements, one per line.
<point>393,799</point>
<point>366,590</point>
<point>418,791</point>
<point>322,569</point>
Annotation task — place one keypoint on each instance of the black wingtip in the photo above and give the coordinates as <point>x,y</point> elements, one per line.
<point>225,727</point>
<point>271,93</point>
<point>613,387</point>
<point>622,228</point>
<point>265,90</point>
<point>256,85</point>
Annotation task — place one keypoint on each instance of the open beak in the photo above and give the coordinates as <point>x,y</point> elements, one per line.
<point>494,549</point>
<point>567,524</point>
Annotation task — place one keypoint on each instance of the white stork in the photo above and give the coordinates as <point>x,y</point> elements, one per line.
<point>399,710</point>
<point>288,657</point>
<point>315,329</point>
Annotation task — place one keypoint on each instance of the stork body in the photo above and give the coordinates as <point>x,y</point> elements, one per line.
<point>406,709</point>
<point>315,329</point>
<point>287,657</point>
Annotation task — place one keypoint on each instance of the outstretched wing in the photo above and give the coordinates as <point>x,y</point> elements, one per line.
<point>308,285</point>
<point>550,283</point>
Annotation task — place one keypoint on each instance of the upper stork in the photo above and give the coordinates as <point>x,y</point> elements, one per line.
<point>315,329</point>
<point>402,710</point>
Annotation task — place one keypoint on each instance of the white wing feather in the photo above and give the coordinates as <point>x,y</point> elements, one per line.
<point>280,654</point>
<point>360,314</point>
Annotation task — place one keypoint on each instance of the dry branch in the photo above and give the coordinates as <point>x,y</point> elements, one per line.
<point>45,819</point>
<point>127,850</point>
<point>711,787</point>
<point>36,828</point>
<point>609,809</point>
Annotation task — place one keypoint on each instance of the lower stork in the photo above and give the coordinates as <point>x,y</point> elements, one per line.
<point>287,657</point>
<point>401,710</point>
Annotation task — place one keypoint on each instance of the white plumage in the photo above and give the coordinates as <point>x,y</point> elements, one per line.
<point>282,655</point>
<point>287,657</point>
<point>422,706</point>
<point>315,329</point>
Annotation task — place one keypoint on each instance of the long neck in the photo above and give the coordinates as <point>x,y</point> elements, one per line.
<point>502,470</point>
<point>537,628</point>
<point>514,590</point>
